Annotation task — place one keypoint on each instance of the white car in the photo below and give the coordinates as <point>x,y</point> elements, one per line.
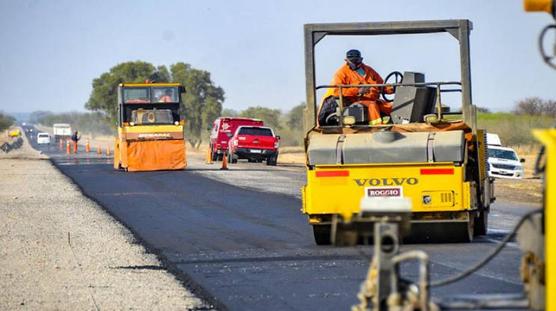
<point>43,138</point>
<point>503,162</point>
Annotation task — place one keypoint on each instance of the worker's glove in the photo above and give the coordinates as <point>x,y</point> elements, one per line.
<point>363,90</point>
<point>389,89</point>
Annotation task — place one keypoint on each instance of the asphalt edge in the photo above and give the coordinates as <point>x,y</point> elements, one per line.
<point>208,300</point>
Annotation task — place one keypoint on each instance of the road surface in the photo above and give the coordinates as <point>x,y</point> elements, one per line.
<point>238,239</point>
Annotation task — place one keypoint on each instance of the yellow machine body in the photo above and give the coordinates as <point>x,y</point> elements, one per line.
<point>150,136</point>
<point>14,132</point>
<point>431,188</point>
<point>548,138</point>
<point>424,154</point>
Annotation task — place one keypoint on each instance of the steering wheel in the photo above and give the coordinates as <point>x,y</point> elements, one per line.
<point>398,78</point>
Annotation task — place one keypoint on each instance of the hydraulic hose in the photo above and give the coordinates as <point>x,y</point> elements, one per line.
<point>488,258</point>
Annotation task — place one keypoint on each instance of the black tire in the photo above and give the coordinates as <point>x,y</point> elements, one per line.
<point>346,237</point>
<point>463,232</point>
<point>322,234</point>
<point>232,158</point>
<point>273,160</point>
<point>213,155</point>
<point>481,224</point>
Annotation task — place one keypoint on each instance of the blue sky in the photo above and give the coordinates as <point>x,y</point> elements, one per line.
<point>52,50</point>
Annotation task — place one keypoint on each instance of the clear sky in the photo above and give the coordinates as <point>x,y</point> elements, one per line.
<point>50,51</point>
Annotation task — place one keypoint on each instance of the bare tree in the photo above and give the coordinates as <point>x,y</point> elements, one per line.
<point>549,108</point>
<point>530,105</point>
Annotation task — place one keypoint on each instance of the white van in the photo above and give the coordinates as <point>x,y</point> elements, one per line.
<point>502,162</point>
<point>43,138</point>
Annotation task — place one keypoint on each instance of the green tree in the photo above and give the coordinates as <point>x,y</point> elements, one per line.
<point>226,112</point>
<point>104,95</point>
<point>162,74</point>
<point>295,117</point>
<point>6,121</point>
<point>202,102</point>
<point>271,117</point>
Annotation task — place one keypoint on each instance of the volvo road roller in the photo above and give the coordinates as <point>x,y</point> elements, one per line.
<point>426,157</point>
<point>150,129</point>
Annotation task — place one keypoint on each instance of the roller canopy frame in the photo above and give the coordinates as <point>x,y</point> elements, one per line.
<point>459,29</point>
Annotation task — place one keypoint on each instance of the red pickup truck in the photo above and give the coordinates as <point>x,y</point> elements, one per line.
<point>254,143</point>
<point>222,129</point>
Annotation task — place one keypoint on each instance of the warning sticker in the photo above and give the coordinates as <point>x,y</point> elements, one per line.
<point>384,192</point>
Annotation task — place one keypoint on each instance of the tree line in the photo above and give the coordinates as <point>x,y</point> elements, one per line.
<point>203,102</point>
<point>536,106</point>
<point>6,121</point>
<point>514,128</point>
<point>200,104</point>
<point>289,125</point>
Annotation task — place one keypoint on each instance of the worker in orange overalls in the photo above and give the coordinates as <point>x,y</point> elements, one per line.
<point>167,97</point>
<point>355,72</point>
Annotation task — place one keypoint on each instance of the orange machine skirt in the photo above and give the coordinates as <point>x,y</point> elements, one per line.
<point>154,155</point>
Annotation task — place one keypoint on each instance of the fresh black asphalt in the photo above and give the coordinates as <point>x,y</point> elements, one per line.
<point>243,249</point>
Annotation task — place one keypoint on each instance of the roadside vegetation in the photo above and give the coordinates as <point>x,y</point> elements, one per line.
<point>514,128</point>
<point>93,123</point>
<point>288,124</point>
<point>203,102</point>
<point>6,121</point>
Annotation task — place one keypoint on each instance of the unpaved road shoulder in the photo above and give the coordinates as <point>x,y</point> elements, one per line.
<point>59,250</point>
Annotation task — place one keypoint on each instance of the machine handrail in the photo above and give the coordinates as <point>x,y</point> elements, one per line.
<point>419,84</point>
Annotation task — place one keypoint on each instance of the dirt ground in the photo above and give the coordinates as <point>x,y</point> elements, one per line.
<point>527,190</point>
<point>61,251</point>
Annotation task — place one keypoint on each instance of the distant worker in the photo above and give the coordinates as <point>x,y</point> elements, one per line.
<point>167,97</point>
<point>75,137</point>
<point>355,72</point>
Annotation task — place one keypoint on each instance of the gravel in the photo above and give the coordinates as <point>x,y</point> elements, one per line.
<point>61,251</point>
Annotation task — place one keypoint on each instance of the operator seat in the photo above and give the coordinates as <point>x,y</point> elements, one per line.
<point>359,112</point>
<point>328,113</point>
<point>412,103</point>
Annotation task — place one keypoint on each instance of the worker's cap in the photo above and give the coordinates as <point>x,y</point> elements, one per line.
<point>354,56</point>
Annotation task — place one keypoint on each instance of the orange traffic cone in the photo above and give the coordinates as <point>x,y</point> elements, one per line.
<point>224,162</point>
<point>68,150</point>
<point>99,150</point>
<point>87,147</point>
<point>75,147</point>
<point>209,156</point>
